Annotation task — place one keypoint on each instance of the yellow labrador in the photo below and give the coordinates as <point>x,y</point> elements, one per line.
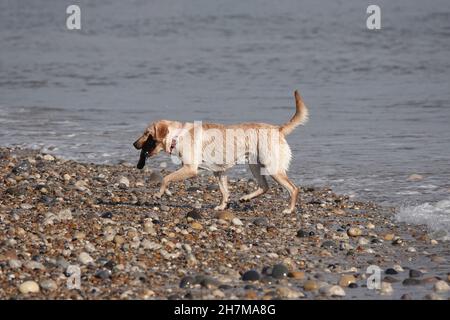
<point>217,147</point>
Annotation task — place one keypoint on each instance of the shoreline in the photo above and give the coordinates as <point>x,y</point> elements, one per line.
<point>102,219</point>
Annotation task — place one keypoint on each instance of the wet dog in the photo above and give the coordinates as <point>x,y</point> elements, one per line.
<point>217,147</point>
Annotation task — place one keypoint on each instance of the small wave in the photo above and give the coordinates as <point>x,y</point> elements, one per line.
<point>435,216</point>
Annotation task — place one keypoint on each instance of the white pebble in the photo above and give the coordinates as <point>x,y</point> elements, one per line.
<point>386,288</point>
<point>85,258</point>
<point>237,222</point>
<point>29,287</point>
<point>441,286</point>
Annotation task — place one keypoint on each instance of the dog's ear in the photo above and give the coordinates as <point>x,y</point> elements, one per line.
<point>161,131</point>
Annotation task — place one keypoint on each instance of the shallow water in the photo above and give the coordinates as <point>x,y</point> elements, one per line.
<point>379,100</point>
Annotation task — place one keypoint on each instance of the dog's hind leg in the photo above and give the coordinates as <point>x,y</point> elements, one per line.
<point>223,185</point>
<point>260,179</point>
<point>283,180</point>
<point>186,171</point>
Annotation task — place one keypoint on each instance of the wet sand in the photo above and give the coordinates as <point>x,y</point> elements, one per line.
<point>57,216</point>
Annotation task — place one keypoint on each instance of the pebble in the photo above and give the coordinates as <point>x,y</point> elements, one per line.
<point>155,177</point>
<point>119,240</point>
<point>310,285</point>
<point>288,293</point>
<point>346,279</point>
<point>441,286</point>
<point>260,222</point>
<point>187,282</point>
<point>103,274</point>
<point>34,265</point>
<point>194,215</point>
<point>415,177</point>
<point>48,157</point>
<point>299,275</point>
<point>389,236</point>
<point>65,214</point>
<point>124,183</point>
<point>386,288</point>
<point>354,232</point>
<point>302,233</point>
<point>390,279</point>
<point>225,215</point>
<point>391,271</point>
<point>237,222</point>
<point>14,263</point>
<point>363,241</point>
<point>433,296</point>
<point>196,226</point>
<point>48,284</point>
<point>370,226</point>
<point>85,258</point>
<point>328,244</point>
<point>107,215</point>
<point>411,282</point>
<point>251,275</point>
<point>279,271</point>
<point>333,291</point>
<point>29,287</point>
<point>415,273</point>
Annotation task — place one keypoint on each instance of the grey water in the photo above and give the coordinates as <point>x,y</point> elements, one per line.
<point>379,100</point>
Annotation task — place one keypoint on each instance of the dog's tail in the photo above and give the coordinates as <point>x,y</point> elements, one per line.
<point>300,116</point>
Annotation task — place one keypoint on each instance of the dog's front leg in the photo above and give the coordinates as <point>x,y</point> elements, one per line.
<point>186,171</point>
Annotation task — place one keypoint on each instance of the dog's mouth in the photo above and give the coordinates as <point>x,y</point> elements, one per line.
<point>146,150</point>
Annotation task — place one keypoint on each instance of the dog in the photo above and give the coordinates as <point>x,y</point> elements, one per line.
<point>254,148</point>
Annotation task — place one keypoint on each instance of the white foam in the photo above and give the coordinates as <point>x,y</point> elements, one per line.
<point>435,216</point>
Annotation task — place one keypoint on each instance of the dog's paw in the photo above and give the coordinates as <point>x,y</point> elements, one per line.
<point>244,199</point>
<point>167,192</point>
<point>220,207</point>
<point>287,211</point>
<point>158,195</point>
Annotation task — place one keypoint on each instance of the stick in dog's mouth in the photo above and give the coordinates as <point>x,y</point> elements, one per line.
<point>148,147</point>
<point>143,156</point>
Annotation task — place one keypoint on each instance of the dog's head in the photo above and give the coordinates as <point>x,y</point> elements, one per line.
<point>152,141</point>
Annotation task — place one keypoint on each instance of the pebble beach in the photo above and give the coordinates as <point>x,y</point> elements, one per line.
<point>98,226</point>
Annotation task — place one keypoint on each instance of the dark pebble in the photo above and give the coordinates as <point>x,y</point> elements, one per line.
<point>397,242</point>
<point>267,271</point>
<point>103,274</point>
<point>302,233</point>
<point>187,282</point>
<point>279,271</point>
<point>21,167</point>
<point>249,287</point>
<point>107,215</point>
<point>406,297</point>
<point>46,200</point>
<point>415,273</point>
<point>194,214</point>
<point>390,271</point>
<point>267,280</point>
<point>375,241</point>
<point>353,285</point>
<point>251,275</point>
<point>390,279</point>
<point>328,244</point>
<point>261,222</point>
<point>411,282</point>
